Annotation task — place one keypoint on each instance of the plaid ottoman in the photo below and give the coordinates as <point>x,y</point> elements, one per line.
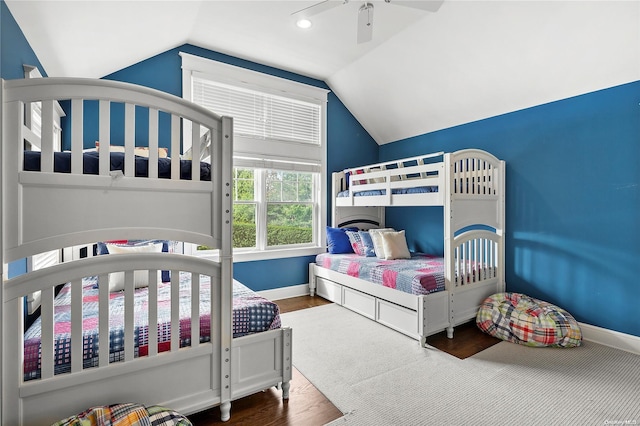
<point>521,319</point>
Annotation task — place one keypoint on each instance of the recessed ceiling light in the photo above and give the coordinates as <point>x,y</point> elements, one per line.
<point>304,23</point>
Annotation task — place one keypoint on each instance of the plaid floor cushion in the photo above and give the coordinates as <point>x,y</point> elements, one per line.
<point>128,414</point>
<point>521,319</point>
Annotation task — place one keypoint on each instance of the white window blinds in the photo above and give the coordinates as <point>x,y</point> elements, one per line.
<point>261,115</point>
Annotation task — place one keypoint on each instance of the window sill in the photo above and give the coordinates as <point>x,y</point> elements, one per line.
<point>250,256</point>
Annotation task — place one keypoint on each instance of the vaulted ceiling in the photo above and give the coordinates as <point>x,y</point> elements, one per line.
<point>423,71</point>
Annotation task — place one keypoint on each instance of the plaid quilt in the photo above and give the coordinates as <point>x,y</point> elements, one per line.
<point>251,314</point>
<point>521,319</point>
<point>422,274</point>
<point>126,415</point>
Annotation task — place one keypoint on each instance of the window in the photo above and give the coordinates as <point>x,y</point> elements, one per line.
<point>279,155</point>
<point>273,208</point>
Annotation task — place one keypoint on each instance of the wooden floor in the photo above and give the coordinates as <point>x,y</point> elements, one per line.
<point>306,405</point>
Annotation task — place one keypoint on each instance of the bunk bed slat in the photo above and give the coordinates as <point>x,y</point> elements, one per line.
<point>105,137</point>
<point>46,133</point>
<point>103,319</point>
<point>195,149</point>
<point>175,147</point>
<point>153,143</point>
<point>129,337</point>
<point>76,326</point>
<point>77,135</point>
<point>153,315</point>
<point>175,311</point>
<point>46,340</point>
<point>195,309</point>
<point>129,138</point>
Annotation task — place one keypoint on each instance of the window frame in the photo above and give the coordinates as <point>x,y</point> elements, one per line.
<point>274,155</point>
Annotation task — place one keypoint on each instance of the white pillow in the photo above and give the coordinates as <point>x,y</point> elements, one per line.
<point>395,245</point>
<point>140,278</point>
<point>377,240</point>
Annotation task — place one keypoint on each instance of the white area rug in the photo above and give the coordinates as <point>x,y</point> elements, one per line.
<point>377,376</point>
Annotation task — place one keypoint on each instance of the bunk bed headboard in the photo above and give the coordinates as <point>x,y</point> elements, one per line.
<point>476,184</point>
<point>69,221</point>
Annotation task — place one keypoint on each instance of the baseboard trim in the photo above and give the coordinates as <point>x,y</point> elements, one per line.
<point>591,333</point>
<point>285,292</point>
<point>614,339</point>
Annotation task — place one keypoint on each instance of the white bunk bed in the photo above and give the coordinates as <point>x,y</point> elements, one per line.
<point>45,210</point>
<point>469,185</point>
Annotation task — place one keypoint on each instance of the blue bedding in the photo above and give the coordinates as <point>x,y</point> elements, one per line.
<point>416,190</point>
<point>62,164</point>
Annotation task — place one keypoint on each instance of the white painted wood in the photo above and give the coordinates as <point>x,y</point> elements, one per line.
<point>362,303</point>
<point>103,296</point>
<point>46,159</point>
<point>471,188</point>
<point>153,143</point>
<point>201,375</point>
<point>129,138</point>
<point>612,338</point>
<point>329,290</point>
<point>105,137</point>
<point>175,310</point>
<point>397,317</point>
<point>46,340</point>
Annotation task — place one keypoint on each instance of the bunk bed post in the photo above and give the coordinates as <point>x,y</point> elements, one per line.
<point>2,129</point>
<point>312,279</point>
<point>226,259</point>
<point>10,328</point>
<point>501,232</point>
<point>449,267</point>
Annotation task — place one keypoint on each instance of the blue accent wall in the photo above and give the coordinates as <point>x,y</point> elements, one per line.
<point>347,143</point>
<point>15,50</point>
<point>572,201</point>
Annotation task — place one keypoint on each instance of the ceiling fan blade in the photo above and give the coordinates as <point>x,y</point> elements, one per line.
<point>317,8</point>
<point>365,23</point>
<point>429,5</point>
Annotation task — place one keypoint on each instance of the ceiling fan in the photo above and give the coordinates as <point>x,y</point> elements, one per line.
<point>365,13</point>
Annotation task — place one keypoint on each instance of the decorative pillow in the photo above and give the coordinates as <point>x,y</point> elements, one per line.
<point>395,245</point>
<point>103,249</point>
<point>140,278</point>
<point>367,244</point>
<point>356,242</point>
<point>377,240</point>
<point>338,241</point>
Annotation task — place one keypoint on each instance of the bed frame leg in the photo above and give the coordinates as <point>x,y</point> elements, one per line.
<point>423,341</point>
<point>285,390</point>
<point>312,280</point>
<point>450,332</point>
<point>225,411</point>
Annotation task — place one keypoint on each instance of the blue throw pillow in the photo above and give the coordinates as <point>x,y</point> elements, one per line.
<point>367,244</point>
<point>338,241</point>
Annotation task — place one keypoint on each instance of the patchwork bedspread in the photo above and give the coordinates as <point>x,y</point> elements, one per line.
<point>422,274</point>
<point>251,314</point>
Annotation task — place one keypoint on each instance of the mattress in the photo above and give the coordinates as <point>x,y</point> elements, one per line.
<point>252,313</point>
<point>62,164</point>
<point>421,274</point>
<point>416,190</point>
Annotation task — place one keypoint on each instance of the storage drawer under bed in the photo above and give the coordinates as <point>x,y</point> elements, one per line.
<point>390,314</point>
<point>329,290</point>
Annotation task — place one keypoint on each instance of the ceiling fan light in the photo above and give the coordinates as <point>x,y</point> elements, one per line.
<point>304,23</point>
